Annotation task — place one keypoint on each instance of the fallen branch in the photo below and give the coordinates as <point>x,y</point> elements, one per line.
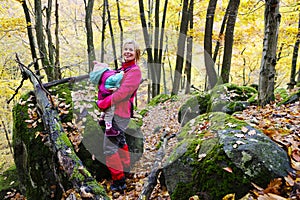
<point>66,80</point>
<point>66,156</point>
<point>157,168</point>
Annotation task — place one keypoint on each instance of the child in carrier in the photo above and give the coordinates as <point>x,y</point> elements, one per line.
<point>107,81</point>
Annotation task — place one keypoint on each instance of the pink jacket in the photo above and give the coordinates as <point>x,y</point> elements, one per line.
<point>121,97</point>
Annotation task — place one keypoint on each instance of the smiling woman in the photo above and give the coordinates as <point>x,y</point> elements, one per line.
<point>115,146</point>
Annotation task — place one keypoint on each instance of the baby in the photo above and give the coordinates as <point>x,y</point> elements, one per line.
<point>107,81</point>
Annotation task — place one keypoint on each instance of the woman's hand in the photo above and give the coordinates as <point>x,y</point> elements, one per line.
<point>105,103</point>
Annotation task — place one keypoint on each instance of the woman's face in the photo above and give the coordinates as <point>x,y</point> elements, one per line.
<point>129,52</point>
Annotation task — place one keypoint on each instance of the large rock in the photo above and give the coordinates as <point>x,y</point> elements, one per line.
<point>38,169</point>
<point>193,107</point>
<point>219,154</point>
<point>227,98</point>
<point>230,98</point>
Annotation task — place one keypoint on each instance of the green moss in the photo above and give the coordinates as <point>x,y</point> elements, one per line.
<point>162,98</point>
<point>97,189</point>
<point>183,191</point>
<point>281,92</point>
<point>135,123</point>
<point>253,100</point>
<point>232,93</point>
<point>63,140</point>
<point>291,98</point>
<point>9,179</point>
<point>158,145</point>
<point>244,92</point>
<point>64,95</point>
<point>144,112</point>
<point>197,103</point>
<point>210,169</point>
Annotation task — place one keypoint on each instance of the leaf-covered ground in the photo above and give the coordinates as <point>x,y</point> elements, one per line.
<point>281,123</point>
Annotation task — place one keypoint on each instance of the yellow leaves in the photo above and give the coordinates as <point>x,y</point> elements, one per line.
<point>12,24</point>
<point>229,197</point>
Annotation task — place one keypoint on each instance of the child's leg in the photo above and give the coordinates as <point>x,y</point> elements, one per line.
<point>109,130</point>
<point>109,114</point>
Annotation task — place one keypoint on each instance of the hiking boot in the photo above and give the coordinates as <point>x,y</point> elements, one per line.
<point>128,174</point>
<point>111,132</point>
<point>101,122</point>
<point>118,185</point>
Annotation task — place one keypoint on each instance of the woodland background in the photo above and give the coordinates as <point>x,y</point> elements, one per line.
<point>73,49</point>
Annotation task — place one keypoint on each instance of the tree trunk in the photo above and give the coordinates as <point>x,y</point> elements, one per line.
<point>89,33</point>
<point>64,158</point>
<point>157,64</point>
<point>57,60</point>
<point>267,68</point>
<point>209,64</point>
<point>180,48</point>
<point>31,38</point>
<point>121,27</point>
<point>111,35</point>
<point>41,40</point>
<point>221,37</point>
<point>103,31</point>
<point>233,7</point>
<point>48,33</point>
<point>189,50</point>
<point>294,59</point>
<point>147,43</point>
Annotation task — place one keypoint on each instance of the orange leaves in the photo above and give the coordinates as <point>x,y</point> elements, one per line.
<point>282,125</point>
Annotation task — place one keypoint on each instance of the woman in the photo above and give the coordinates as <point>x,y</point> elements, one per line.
<point>115,146</point>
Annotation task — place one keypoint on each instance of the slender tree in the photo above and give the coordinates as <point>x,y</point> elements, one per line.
<point>103,31</point>
<point>294,59</point>
<point>89,32</point>
<point>221,36</point>
<point>49,35</point>
<point>41,40</point>
<point>157,64</point>
<point>120,26</point>
<point>233,7</point>
<point>161,42</point>
<point>57,60</point>
<point>209,64</point>
<point>189,50</point>
<point>268,62</point>
<point>31,37</point>
<point>147,40</point>
<point>180,47</point>
<point>111,35</point>
<point>162,31</point>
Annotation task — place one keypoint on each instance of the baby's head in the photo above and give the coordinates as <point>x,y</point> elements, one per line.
<point>99,66</point>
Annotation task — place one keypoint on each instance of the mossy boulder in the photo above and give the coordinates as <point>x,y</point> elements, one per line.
<point>193,107</point>
<point>282,93</point>
<point>292,98</point>
<point>218,154</point>
<point>161,98</point>
<point>38,168</point>
<point>223,96</point>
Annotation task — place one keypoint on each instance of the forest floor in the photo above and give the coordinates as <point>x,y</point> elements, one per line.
<point>280,123</point>
<point>163,118</point>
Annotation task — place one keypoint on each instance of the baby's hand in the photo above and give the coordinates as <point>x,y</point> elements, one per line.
<point>112,89</point>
